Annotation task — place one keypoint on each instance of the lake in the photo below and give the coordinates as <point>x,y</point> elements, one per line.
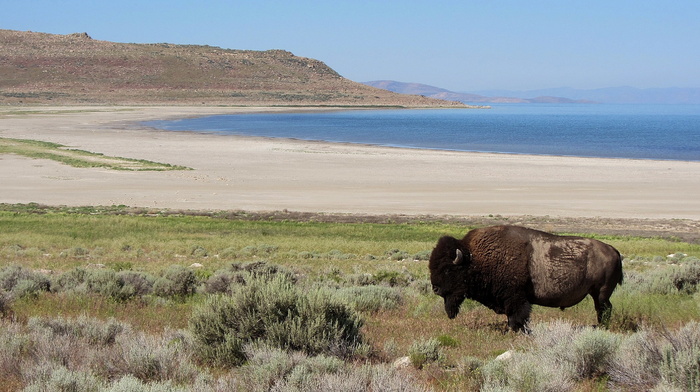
<point>667,132</point>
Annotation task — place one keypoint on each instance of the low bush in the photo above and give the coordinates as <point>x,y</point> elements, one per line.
<point>224,281</point>
<point>680,358</point>
<point>259,250</point>
<point>21,282</point>
<point>130,383</point>
<point>70,280</point>
<point>679,278</point>
<point>94,332</point>
<point>276,313</point>
<point>5,303</point>
<point>138,283</point>
<point>14,344</point>
<point>447,341</point>
<point>592,352</point>
<point>148,358</point>
<point>221,282</point>
<point>636,364</point>
<point>176,281</point>
<point>271,369</point>
<point>370,298</point>
<point>524,372</point>
<point>423,351</point>
<point>59,378</point>
<point>561,354</point>
<point>393,278</point>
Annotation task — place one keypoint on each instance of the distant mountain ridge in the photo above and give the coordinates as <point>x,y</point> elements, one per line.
<point>469,98</point>
<point>628,95</point>
<point>671,95</point>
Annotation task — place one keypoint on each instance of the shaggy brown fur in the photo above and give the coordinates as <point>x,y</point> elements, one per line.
<point>510,268</point>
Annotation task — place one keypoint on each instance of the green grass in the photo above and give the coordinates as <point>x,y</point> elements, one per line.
<point>153,242</point>
<point>78,158</point>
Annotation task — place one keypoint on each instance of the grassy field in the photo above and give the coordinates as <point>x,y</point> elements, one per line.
<point>167,266</point>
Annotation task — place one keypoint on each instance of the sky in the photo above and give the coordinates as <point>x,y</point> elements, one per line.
<point>458,45</point>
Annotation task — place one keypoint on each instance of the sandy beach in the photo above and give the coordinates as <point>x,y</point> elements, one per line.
<point>261,174</point>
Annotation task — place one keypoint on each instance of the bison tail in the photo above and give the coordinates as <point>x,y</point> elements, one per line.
<point>619,266</point>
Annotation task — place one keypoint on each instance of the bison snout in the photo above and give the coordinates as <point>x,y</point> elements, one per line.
<point>452,307</point>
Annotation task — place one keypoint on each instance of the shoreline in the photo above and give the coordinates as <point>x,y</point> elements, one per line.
<point>273,174</point>
<point>390,145</point>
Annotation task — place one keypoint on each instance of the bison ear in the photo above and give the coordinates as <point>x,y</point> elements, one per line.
<point>459,258</point>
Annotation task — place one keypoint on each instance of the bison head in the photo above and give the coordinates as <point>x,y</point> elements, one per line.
<point>448,263</point>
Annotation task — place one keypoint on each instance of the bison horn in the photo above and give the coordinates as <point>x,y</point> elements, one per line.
<point>460,256</point>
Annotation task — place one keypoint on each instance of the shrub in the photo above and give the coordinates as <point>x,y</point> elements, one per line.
<point>94,332</point>
<point>5,303</point>
<point>398,255</point>
<point>21,282</point>
<point>636,364</point>
<point>392,278</point>
<point>447,341</point>
<point>198,251</point>
<point>148,358</point>
<point>260,250</point>
<point>360,280</point>
<point>62,379</point>
<point>423,351</point>
<point>370,298</point>
<point>104,282</point>
<point>666,361</point>
<point>130,383</point>
<point>228,253</point>
<point>221,281</point>
<point>593,351</point>
<point>69,280</point>
<point>271,369</point>
<point>524,373</point>
<point>275,313</point>
<point>76,252</point>
<point>137,283</point>
<point>681,278</point>
<point>680,358</point>
<point>686,277</point>
<point>239,273</point>
<point>176,281</point>
<point>14,344</point>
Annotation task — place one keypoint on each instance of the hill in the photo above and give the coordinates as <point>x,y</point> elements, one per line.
<point>40,68</point>
<point>440,93</point>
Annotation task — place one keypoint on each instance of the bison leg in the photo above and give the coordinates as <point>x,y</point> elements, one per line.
<point>603,306</point>
<point>519,316</point>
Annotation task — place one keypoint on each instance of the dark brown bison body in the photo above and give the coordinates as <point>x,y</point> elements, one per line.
<point>509,268</point>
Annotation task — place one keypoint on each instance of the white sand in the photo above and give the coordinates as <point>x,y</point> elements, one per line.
<point>260,174</point>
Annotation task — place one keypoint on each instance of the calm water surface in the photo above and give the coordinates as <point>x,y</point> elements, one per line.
<point>614,131</point>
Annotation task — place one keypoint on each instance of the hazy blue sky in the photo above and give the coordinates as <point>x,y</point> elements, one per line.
<point>458,45</point>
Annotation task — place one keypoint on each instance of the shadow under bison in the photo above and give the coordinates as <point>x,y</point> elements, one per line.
<point>510,268</point>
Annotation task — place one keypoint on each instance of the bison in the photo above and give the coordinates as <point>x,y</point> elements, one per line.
<point>510,268</point>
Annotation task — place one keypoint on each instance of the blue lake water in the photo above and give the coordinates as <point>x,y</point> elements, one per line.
<point>669,132</point>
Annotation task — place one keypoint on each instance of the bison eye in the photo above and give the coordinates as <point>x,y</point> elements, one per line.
<point>436,289</point>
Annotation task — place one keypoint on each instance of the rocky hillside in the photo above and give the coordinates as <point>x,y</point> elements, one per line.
<point>39,68</point>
